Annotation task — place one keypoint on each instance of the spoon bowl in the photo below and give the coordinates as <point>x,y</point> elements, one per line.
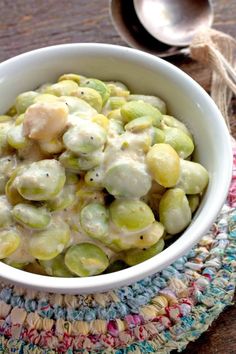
<point>127,24</point>
<point>174,22</point>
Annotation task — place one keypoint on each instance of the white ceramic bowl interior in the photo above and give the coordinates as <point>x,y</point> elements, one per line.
<point>143,73</point>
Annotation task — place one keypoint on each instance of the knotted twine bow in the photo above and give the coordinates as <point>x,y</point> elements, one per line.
<point>216,50</point>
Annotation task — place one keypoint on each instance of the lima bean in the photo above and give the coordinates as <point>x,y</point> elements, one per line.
<point>77,164</point>
<point>20,119</point>
<point>136,109</point>
<point>131,214</point>
<point>56,267</point>
<point>164,164</point>
<point>5,148</point>
<point>49,243</point>
<point>136,256</point>
<point>84,138</point>
<point>62,88</point>
<point>115,103</point>
<point>5,213</point>
<point>16,138</point>
<point>101,120</point>
<point>42,180</point>
<point>45,97</point>
<point>89,95</point>
<point>70,76</point>
<point>12,194</point>
<point>86,259</point>
<point>7,165</point>
<point>139,124</point>
<point>65,199</point>
<point>9,241</point>
<point>158,136</point>
<point>174,211</point>
<point>153,100</point>
<point>53,146</point>
<point>24,100</point>
<point>180,141</point>
<point>10,262</point>
<point>122,242</point>
<point>172,122</point>
<point>94,220</point>
<point>31,216</point>
<point>118,89</point>
<point>5,118</point>
<point>115,114</point>
<point>99,86</point>
<point>193,177</point>
<point>194,201</point>
<point>127,178</point>
<point>94,177</point>
<point>78,108</point>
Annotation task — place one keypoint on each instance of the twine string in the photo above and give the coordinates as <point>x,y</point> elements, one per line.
<point>216,50</point>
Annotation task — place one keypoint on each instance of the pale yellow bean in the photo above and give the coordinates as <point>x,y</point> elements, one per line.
<point>164,164</point>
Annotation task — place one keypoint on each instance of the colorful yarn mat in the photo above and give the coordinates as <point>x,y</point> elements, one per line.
<point>158,314</point>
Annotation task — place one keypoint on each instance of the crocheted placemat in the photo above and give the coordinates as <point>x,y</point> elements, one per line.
<point>158,314</point>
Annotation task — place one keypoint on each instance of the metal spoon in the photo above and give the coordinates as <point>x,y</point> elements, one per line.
<point>174,22</point>
<point>127,24</point>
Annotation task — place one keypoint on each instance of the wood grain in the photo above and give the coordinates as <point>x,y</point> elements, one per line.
<point>30,24</point>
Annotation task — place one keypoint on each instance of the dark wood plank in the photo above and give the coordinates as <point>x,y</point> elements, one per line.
<point>30,24</point>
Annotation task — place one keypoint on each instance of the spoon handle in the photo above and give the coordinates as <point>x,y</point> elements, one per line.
<point>185,51</point>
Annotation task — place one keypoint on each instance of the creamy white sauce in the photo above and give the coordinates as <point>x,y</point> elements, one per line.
<point>128,146</point>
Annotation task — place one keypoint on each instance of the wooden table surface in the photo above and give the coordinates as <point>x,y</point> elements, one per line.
<point>30,24</point>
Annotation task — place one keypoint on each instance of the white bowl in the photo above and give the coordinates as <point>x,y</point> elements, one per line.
<point>143,73</point>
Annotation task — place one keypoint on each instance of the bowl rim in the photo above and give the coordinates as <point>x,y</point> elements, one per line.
<point>104,282</point>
